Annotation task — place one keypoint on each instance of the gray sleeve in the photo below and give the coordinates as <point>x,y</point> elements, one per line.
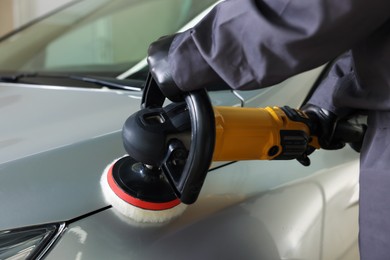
<point>253,44</point>
<point>327,95</point>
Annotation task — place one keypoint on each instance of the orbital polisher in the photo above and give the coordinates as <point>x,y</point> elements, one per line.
<point>170,149</point>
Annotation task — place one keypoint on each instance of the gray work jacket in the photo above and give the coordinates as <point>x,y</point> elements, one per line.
<point>254,44</point>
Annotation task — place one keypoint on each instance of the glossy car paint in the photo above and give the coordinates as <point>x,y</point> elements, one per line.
<point>52,140</point>
<point>242,214</point>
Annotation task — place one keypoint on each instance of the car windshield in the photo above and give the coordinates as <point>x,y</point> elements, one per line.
<point>95,37</point>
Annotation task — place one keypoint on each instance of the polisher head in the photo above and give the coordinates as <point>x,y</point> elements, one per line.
<point>139,192</point>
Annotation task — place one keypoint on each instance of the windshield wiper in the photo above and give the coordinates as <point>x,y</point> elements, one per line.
<point>111,83</point>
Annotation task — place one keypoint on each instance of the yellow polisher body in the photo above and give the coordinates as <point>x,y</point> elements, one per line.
<point>257,133</point>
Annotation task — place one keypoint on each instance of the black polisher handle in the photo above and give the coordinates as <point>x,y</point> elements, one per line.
<point>350,133</point>
<point>188,180</point>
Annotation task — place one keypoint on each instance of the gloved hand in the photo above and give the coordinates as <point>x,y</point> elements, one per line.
<point>324,126</point>
<point>160,70</point>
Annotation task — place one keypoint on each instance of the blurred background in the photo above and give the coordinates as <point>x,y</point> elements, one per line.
<point>16,13</point>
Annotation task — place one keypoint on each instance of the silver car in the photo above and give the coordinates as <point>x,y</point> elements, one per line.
<point>69,80</point>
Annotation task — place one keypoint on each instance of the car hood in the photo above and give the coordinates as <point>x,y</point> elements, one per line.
<point>54,144</point>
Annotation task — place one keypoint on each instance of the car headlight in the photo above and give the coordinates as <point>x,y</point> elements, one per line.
<point>28,242</point>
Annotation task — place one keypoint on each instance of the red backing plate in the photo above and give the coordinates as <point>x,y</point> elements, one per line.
<point>135,201</point>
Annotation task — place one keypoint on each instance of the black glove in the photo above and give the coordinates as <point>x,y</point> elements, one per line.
<point>160,70</point>
<point>324,126</point>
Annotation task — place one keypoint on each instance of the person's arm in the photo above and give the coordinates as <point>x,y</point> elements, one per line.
<point>327,91</point>
<point>253,44</point>
<point>321,107</point>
